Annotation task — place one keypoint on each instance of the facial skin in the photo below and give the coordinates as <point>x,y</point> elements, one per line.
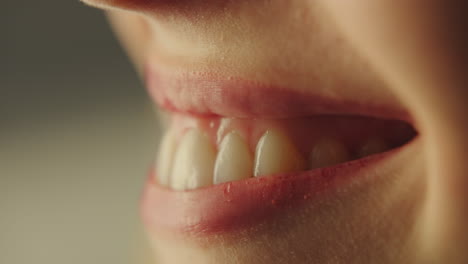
<point>401,55</point>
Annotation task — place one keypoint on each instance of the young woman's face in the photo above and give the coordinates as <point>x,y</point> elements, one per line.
<point>297,135</point>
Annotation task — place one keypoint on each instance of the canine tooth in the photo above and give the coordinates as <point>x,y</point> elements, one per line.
<point>234,160</point>
<point>165,158</point>
<point>327,152</point>
<point>372,146</point>
<point>193,162</point>
<point>275,153</point>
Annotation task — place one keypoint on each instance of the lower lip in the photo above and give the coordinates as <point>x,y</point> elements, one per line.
<point>233,206</point>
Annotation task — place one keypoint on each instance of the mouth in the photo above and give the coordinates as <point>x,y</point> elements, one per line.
<point>236,153</point>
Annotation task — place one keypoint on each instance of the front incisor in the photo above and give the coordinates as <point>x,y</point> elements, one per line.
<point>193,162</point>
<point>234,161</point>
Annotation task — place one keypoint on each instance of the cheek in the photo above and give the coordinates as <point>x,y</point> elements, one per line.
<point>134,33</point>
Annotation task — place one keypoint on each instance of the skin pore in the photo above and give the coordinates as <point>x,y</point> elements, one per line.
<point>408,56</point>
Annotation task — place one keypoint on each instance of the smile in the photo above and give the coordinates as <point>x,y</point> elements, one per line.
<point>236,152</point>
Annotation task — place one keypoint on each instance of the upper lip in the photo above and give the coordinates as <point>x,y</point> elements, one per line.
<point>207,94</point>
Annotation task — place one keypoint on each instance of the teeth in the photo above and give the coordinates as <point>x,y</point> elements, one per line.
<point>276,154</point>
<point>194,162</point>
<point>165,158</point>
<point>327,152</point>
<point>372,146</point>
<point>234,160</point>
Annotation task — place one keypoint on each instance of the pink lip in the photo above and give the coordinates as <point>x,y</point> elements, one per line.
<point>210,94</point>
<point>232,206</point>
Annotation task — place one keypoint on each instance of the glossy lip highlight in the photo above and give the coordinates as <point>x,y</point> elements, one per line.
<point>236,205</point>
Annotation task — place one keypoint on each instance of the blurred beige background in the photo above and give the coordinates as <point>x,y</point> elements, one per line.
<point>77,135</point>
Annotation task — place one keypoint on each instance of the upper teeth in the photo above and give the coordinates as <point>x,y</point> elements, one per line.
<point>372,146</point>
<point>327,152</point>
<point>193,162</point>
<point>276,154</point>
<point>234,160</point>
<point>165,158</point>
